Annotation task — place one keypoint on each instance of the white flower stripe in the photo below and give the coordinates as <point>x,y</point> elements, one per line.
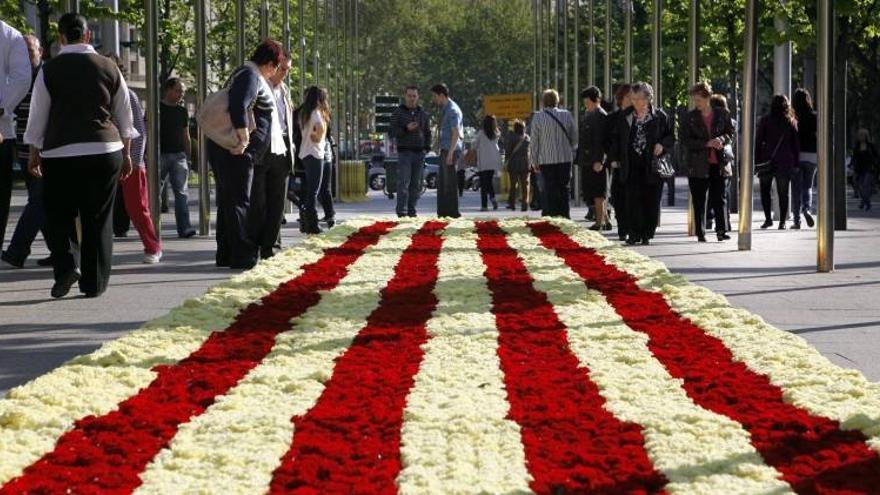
<point>240,439</point>
<point>456,437</point>
<point>807,378</point>
<point>699,452</point>
<point>33,416</point>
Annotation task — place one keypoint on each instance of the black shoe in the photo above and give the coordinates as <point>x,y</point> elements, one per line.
<point>524,208</point>
<point>510,207</point>
<point>782,225</point>
<point>646,242</point>
<point>767,224</point>
<point>709,224</point>
<point>62,286</point>
<point>596,227</point>
<point>796,226</point>
<point>494,204</point>
<point>622,237</point>
<point>47,261</point>
<point>701,238</point>
<point>188,234</point>
<point>164,208</point>
<point>607,227</point>
<point>243,265</point>
<point>5,256</point>
<point>266,253</point>
<point>332,221</point>
<point>631,241</point>
<point>92,295</point>
<point>120,235</point>
<point>809,219</point>
<point>723,237</point>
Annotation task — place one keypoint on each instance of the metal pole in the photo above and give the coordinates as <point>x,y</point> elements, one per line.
<point>657,53</point>
<point>825,52</point>
<point>548,81</point>
<point>536,57</point>
<point>607,81</point>
<point>201,93</point>
<point>151,19</point>
<point>71,6</point>
<point>357,84</point>
<point>302,48</point>
<point>285,29</point>
<point>628,40</point>
<point>591,45</point>
<point>566,89</point>
<point>557,26</point>
<point>316,54</point>
<point>576,99</point>
<point>264,19</point>
<point>747,140</point>
<point>240,34</point>
<point>839,71</point>
<point>782,60</point>
<point>693,77</point>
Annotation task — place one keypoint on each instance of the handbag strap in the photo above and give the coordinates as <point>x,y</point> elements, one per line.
<point>516,148</point>
<point>778,145</point>
<point>567,135</point>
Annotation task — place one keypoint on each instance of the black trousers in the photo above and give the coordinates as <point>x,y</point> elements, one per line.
<point>642,205</point>
<point>7,159</point>
<point>709,195</point>
<point>325,191</point>
<point>121,221</point>
<point>618,201</point>
<point>785,179</point>
<point>487,187</point>
<point>233,176</point>
<point>557,180</point>
<point>267,201</point>
<point>84,186</point>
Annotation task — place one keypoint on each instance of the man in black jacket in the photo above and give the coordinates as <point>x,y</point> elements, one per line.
<point>410,127</point>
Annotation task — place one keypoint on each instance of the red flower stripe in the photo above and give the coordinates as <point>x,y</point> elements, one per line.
<point>349,441</point>
<point>572,444</point>
<point>106,454</point>
<point>813,453</point>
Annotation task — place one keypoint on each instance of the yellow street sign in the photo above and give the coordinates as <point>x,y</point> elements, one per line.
<point>511,106</point>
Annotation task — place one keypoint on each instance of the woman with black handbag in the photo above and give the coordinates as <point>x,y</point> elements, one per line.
<point>778,151</point>
<point>704,134</point>
<point>645,135</point>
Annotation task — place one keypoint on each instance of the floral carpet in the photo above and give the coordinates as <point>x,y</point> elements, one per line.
<point>448,357</point>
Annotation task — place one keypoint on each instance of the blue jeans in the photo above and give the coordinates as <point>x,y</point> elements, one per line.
<point>314,181</point>
<point>808,177</point>
<point>31,220</point>
<point>409,181</point>
<point>175,167</point>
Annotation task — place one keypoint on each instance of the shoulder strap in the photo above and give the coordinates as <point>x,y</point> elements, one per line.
<point>778,145</point>
<point>556,119</point>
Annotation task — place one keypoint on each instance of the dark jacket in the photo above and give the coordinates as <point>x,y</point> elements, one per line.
<point>694,136</point>
<point>659,131</point>
<point>774,132</point>
<point>517,162</point>
<point>864,160</point>
<point>807,132</point>
<point>591,139</point>
<point>246,92</point>
<point>419,140</point>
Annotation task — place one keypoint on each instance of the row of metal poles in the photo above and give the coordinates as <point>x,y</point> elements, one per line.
<point>335,65</point>
<point>551,37</point>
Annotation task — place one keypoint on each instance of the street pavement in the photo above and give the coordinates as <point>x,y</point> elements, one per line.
<point>837,313</point>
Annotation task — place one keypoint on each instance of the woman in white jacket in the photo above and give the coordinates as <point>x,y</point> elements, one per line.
<point>488,160</point>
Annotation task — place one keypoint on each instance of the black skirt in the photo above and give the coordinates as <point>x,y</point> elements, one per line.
<point>594,184</point>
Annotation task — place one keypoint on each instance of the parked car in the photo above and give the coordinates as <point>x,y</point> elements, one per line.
<point>432,170</point>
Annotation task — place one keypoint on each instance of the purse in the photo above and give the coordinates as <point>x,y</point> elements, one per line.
<point>767,166</point>
<point>214,120</point>
<point>661,166</point>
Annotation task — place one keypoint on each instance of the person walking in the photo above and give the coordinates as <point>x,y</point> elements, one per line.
<point>270,173</point>
<point>488,152</point>
<point>704,134</point>
<point>865,167</point>
<point>808,159</point>
<point>81,154</point>
<point>591,155</point>
<point>411,130</point>
<point>314,118</point>
<point>249,91</point>
<point>518,166</point>
<point>15,79</point>
<point>554,139</point>
<point>777,143</point>
<point>612,141</point>
<point>33,215</point>
<point>175,148</point>
<point>451,133</point>
<point>643,135</point>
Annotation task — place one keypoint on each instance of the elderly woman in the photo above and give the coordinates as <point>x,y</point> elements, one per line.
<point>643,134</point>
<point>249,90</point>
<point>704,134</point>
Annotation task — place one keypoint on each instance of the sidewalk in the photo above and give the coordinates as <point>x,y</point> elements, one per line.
<point>837,313</point>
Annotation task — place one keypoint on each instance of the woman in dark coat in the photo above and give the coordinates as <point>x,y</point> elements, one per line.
<point>704,134</point>
<point>591,155</point>
<point>618,191</point>
<point>777,142</point>
<point>642,135</point>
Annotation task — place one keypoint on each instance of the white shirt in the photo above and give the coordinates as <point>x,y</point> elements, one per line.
<point>41,102</point>
<point>280,107</point>
<point>488,154</point>
<point>15,76</point>
<point>310,147</point>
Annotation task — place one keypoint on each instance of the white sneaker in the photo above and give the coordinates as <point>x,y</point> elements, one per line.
<point>152,259</point>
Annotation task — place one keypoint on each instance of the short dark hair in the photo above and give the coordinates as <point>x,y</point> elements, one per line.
<point>621,92</point>
<point>411,87</point>
<point>170,83</point>
<point>73,27</point>
<point>702,89</point>
<point>440,89</point>
<point>269,51</point>
<point>592,93</point>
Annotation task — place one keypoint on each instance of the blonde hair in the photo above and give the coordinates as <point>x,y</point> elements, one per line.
<point>550,98</point>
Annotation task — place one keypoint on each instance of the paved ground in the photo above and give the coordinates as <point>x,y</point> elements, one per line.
<point>838,313</point>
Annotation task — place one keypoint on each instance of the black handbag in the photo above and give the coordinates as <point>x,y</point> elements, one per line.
<point>661,166</point>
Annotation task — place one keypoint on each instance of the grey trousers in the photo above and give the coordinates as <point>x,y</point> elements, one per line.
<point>447,187</point>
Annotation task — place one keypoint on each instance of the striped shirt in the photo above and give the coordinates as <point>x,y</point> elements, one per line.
<point>549,143</point>
<point>137,120</point>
